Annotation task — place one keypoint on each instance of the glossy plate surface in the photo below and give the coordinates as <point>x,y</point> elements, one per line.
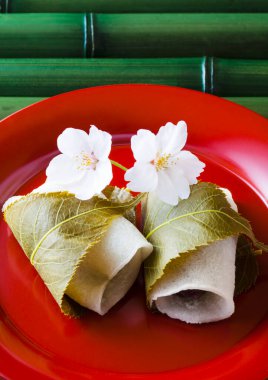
<point>37,341</point>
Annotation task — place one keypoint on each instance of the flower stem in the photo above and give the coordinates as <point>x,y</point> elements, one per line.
<point>119,165</point>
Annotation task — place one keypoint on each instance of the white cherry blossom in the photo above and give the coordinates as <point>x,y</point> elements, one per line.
<point>83,167</point>
<point>161,165</point>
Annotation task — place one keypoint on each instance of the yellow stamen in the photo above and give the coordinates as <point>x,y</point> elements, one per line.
<point>162,162</point>
<point>86,161</point>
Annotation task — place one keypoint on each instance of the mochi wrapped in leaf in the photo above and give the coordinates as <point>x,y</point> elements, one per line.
<point>191,274</point>
<point>87,252</point>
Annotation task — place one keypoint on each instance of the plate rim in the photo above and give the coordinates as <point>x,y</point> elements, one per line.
<point>181,372</point>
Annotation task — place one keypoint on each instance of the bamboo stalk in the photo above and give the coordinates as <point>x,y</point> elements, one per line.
<point>134,35</point>
<point>22,81</point>
<point>130,6</point>
<point>42,35</point>
<point>3,7</point>
<point>179,35</point>
<point>47,77</point>
<point>233,77</point>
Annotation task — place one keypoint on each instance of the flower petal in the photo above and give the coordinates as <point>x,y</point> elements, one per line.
<point>104,175</point>
<point>62,169</point>
<point>83,189</point>
<point>183,188</point>
<point>179,181</point>
<point>166,190</point>
<point>73,141</point>
<point>191,166</point>
<point>86,188</point>
<point>93,181</point>
<point>143,177</point>
<point>143,146</point>
<point>100,143</point>
<point>171,138</point>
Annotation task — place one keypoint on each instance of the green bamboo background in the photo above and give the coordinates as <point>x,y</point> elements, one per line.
<point>180,35</point>
<point>132,6</point>
<point>25,81</point>
<point>42,35</point>
<point>47,77</point>
<point>134,36</point>
<point>240,77</point>
<point>188,43</point>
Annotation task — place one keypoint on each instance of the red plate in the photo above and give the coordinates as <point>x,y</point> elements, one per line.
<point>37,341</point>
